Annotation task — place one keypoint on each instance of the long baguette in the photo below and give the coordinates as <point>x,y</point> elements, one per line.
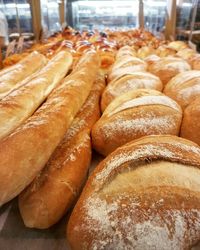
<point>20,104</point>
<point>13,75</point>
<point>65,172</point>
<point>26,151</point>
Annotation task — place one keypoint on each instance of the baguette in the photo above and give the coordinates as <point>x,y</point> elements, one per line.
<point>26,151</point>
<point>135,114</point>
<point>23,68</point>
<point>19,74</point>
<point>145,195</point>
<point>62,178</point>
<point>20,104</point>
<point>184,88</point>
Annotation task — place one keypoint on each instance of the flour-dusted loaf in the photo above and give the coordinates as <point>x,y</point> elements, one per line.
<point>20,73</point>
<point>184,88</point>
<point>127,82</point>
<point>126,64</point>
<point>168,67</point>
<point>135,114</point>
<point>26,151</point>
<point>57,187</point>
<point>190,128</point>
<point>145,195</point>
<point>20,104</point>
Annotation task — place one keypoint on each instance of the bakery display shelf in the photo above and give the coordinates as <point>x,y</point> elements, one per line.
<point>15,236</point>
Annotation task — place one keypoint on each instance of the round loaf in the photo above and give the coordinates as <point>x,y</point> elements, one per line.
<point>190,128</point>
<point>135,114</point>
<point>186,53</point>
<point>143,196</point>
<point>195,61</point>
<point>127,64</point>
<point>177,45</point>
<point>145,51</point>
<point>125,51</point>
<point>129,82</point>
<point>168,67</point>
<point>184,87</point>
<point>164,50</point>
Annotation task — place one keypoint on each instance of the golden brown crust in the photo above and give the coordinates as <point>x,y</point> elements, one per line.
<point>66,171</point>
<point>12,77</point>
<point>168,67</point>
<point>20,104</point>
<point>26,151</point>
<point>145,195</point>
<point>128,82</point>
<point>190,127</point>
<point>184,87</point>
<point>135,114</point>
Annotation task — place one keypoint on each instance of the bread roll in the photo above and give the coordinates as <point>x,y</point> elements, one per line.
<point>127,65</point>
<point>16,107</point>
<point>26,151</point>
<point>190,128</point>
<point>145,195</point>
<point>177,45</point>
<point>125,51</point>
<point>12,77</point>
<point>164,50</point>
<point>129,82</point>
<point>195,61</point>
<point>184,88</point>
<point>135,114</point>
<point>62,178</point>
<point>186,54</point>
<point>168,67</point>
<point>145,51</point>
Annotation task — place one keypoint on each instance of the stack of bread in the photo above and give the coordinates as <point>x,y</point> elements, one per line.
<point>145,194</point>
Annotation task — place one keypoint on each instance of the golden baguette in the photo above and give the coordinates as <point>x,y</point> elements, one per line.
<point>26,151</point>
<point>24,68</point>
<point>144,195</point>
<point>20,104</point>
<point>14,76</point>
<point>58,185</point>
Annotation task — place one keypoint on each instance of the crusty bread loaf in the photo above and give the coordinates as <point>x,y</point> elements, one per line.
<point>145,195</point>
<point>24,68</point>
<point>145,51</point>
<point>164,50</point>
<point>127,82</point>
<point>134,114</point>
<point>12,77</point>
<point>190,128</point>
<point>177,45</point>
<point>126,64</point>
<point>16,107</point>
<point>184,87</point>
<point>26,151</point>
<point>125,51</point>
<point>186,54</point>
<point>62,178</point>
<point>168,67</point>
<point>195,61</point>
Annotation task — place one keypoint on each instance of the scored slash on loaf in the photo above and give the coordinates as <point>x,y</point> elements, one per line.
<point>145,195</point>
<point>134,114</point>
<point>26,151</point>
